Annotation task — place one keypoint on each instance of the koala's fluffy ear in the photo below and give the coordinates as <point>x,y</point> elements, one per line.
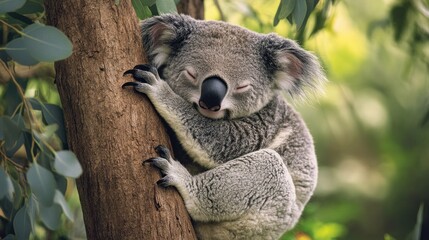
<point>294,69</point>
<point>163,35</point>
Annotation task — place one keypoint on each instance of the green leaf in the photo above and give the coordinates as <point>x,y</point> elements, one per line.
<point>22,224</point>
<point>17,196</point>
<point>31,7</point>
<point>146,12</point>
<point>18,51</point>
<point>32,210</point>
<point>61,183</point>
<point>60,200</point>
<point>299,13</point>
<point>138,7</point>
<point>415,234</point>
<point>166,6</point>
<point>287,8</point>
<point>399,15</point>
<point>52,114</point>
<point>12,135</point>
<point>11,5</point>
<point>12,96</point>
<point>6,185</point>
<point>42,184</point>
<point>148,2</point>
<point>50,216</point>
<point>20,17</point>
<point>142,10</point>
<point>66,164</point>
<point>7,207</point>
<point>46,43</point>
<point>321,17</point>
<point>9,237</point>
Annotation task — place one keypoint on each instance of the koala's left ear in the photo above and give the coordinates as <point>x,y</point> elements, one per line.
<point>294,69</point>
<point>163,35</point>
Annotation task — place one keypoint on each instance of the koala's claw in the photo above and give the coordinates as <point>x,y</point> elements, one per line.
<point>147,68</point>
<point>133,84</point>
<point>164,182</point>
<point>163,151</point>
<point>137,74</point>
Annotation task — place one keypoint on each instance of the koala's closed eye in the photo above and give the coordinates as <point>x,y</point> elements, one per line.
<point>243,87</point>
<point>190,73</point>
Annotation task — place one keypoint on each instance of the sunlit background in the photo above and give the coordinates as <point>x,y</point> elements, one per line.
<point>370,125</point>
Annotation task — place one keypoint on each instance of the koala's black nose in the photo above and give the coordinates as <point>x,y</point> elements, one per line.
<point>213,90</point>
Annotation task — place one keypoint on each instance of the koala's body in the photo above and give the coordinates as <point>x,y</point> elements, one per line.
<point>218,89</point>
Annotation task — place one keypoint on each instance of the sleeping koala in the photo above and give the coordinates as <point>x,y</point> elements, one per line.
<point>217,86</point>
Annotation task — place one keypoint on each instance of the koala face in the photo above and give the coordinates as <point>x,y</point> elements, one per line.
<point>224,70</point>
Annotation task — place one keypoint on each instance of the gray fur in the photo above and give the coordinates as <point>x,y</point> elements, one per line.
<point>259,159</point>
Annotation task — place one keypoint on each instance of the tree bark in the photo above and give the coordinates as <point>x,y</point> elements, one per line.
<point>112,130</point>
<point>194,8</point>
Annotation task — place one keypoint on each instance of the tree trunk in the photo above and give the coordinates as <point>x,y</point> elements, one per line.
<point>112,130</point>
<point>194,8</point>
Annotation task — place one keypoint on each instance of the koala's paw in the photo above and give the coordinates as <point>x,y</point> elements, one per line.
<point>146,78</point>
<point>174,173</point>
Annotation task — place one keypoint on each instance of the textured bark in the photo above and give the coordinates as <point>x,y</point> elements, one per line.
<point>195,8</point>
<point>110,129</point>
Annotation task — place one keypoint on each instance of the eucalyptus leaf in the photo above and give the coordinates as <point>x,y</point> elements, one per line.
<point>61,183</point>
<point>31,7</point>
<point>53,114</point>
<point>11,133</point>
<point>28,142</point>
<point>66,164</point>
<point>7,207</point>
<point>46,43</point>
<point>19,121</point>
<point>60,200</point>
<point>166,6</point>
<point>138,7</point>
<point>286,7</point>
<point>42,183</point>
<point>18,51</point>
<point>146,12</point>
<point>32,211</point>
<point>417,231</point>
<point>299,13</point>
<point>10,152</point>
<point>9,237</point>
<point>6,185</point>
<point>50,216</point>
<point>11,5</point>
<point>148,2</point>
<point>21,18</point>
<point>17,196</point>
<point>22,224</point>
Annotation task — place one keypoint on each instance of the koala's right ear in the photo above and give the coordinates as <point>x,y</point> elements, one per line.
<point>163,35</point>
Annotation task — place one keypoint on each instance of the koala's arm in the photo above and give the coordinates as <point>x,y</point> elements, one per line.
<point>231,191</point>
<point>208,142</point>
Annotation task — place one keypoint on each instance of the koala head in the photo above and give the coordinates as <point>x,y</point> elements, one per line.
<point>224,70</point>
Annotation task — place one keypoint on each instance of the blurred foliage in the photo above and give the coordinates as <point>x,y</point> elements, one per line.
<point>36,169</point>
<point>370,127</point>
<point>149,8</point>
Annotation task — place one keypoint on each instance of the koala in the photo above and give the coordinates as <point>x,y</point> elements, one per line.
<point>219,88</point>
